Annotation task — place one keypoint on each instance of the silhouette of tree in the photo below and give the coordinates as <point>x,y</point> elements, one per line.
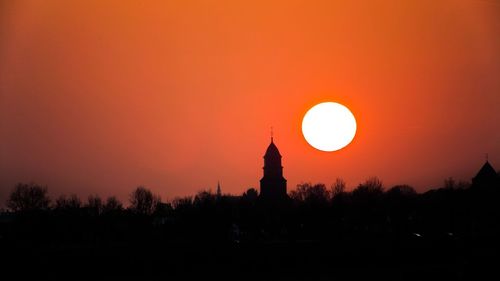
<point>71,203</point>
<point>402,190</point>
<point>371,187</point>
<point>250,195</point>
<point>94,204</point>
<point>204,198</point>
<point>112,205</point>
<point>28,197</point>
<point>367,208</point>
<point>306,192</point>
<point>60,202</point>
<point>143,201</point>
<point>338,187</point>
<point>400,204</point>
<point>401,197</point>
<point>449,183</point>
<point>163,209</point>
<point>180,203</point>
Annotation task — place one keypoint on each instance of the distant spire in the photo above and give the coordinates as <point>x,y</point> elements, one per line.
<point>272,133</point>
<point>219,192</point>
<point>486,157</point>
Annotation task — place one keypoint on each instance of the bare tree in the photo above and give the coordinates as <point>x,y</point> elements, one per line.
<point>182,202</point>
<point>60,202</point>
<point>94,204</point>
<point>373,184</point>
<point>112,205</point>
<point>204,198</point>
<point>28,197</point>
<point>338,187</point>
<point>306,192</point>
<point>74,201</point>
<point>143,201</point>
<point>449,183</point>
<point>71,203</point>
<point>371,188</point>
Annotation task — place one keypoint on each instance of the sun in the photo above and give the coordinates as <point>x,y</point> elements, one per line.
<point>329,126</point>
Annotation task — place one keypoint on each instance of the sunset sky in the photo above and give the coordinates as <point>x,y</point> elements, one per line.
<point>103,96</point>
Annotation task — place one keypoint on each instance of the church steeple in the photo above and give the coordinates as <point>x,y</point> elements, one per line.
<point>487,177</point>
<point>273,184</point>
<point>219,192</point>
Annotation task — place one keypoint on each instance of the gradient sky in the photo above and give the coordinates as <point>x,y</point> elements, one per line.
<point>103,96</point>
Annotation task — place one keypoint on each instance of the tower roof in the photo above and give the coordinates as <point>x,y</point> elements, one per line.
<point>486,172</point>
<point>272,150</point>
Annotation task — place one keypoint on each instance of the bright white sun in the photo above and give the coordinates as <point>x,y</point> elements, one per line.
<point>329,126</point>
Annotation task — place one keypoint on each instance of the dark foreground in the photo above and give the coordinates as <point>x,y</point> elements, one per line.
<point>446,234</point>
<point>390,258</point>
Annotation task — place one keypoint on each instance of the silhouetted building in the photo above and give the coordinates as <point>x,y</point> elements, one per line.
<point>273,184</point>
<point>487,177</point>
<point>219,192</point>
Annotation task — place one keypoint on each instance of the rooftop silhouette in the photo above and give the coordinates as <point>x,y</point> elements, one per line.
<point>273,184</point>
<point>487,177</point>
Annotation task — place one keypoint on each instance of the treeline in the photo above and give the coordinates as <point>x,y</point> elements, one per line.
<point>312,211</point>
<point>31,197</point>
<point>451,230</point>
<point>34,197</point>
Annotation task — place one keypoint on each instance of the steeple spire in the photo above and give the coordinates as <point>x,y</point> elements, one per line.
<point>272,133</point>
<point>219,192</point>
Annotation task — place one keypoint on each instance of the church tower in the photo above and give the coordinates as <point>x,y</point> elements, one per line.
<point>486,178</point>
<point>273,184</point>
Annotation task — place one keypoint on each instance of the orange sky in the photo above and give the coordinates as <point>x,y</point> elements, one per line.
<point>102,96</point>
